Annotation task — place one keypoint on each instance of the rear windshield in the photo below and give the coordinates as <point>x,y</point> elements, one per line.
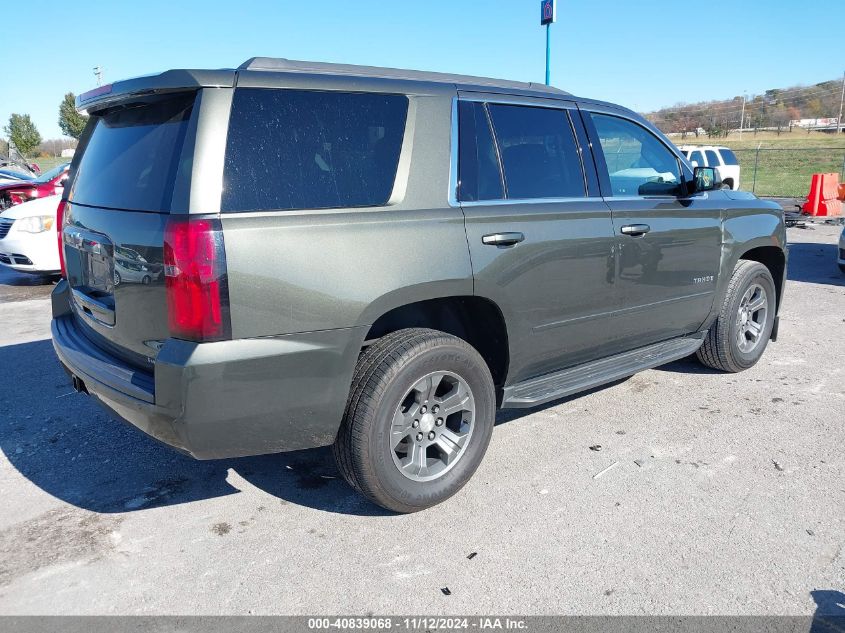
<point>133,157</point>
<point>298,149</point>
<point>728,157</point>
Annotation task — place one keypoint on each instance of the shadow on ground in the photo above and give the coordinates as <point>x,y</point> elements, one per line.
<point>814,263</point>
<point>829,616</point>
<point>65,444</point>
<point>15,286</point>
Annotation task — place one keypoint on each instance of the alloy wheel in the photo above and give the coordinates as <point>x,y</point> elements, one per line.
<point>432,426</point>
<point>751,318</point>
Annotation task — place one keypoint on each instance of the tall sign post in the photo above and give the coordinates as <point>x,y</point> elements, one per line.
<point>548,15</point>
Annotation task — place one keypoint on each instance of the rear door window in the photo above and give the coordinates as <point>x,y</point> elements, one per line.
<point>538,152</point>
<point>728,157</point>
<point>298,149</point>
<point>478,164</point>
<point>133,156</point>
<point>697,158</point>
<point>712,158</point>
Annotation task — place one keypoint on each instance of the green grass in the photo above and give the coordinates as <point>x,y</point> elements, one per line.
<point>781,173</point>
<point>46,164</point>
<point>796,138</point>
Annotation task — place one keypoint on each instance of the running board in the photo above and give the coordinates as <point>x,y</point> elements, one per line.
<point>536,391</point>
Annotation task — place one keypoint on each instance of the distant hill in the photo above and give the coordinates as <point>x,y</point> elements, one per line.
<point>776,109</point>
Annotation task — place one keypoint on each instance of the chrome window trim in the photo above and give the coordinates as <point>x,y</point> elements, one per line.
<point>503,99</point>
<point>453,157</point>
<point>551,104</point>
<point>521,201</point>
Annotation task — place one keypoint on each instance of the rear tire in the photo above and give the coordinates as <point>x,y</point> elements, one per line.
<point>738,337</point>
<point>418,420</point>
<point>842,267</point>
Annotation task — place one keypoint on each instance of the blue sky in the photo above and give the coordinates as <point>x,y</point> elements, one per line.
<point>641,53</point>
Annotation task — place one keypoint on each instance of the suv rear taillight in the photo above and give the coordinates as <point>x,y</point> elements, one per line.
<point>60,223</point>
<point>196,281</point>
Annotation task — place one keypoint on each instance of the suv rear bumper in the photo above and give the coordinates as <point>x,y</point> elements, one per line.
<point>226,399</point>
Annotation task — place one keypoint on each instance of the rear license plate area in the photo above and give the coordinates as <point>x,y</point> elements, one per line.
<point>90,271</point>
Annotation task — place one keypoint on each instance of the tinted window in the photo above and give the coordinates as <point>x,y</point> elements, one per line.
<point>712,158</point>
<point>479,177</point>
<point>698,158</point>
<point>133,155</point>
<point>538,151</point>
<point>295,149</point>
<point>728,157</point>
<point>639,164</point>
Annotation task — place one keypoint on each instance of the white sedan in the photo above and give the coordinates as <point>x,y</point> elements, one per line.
<point>28,240</point>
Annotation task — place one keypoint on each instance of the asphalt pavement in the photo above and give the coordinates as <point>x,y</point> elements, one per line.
<point>703,493</point>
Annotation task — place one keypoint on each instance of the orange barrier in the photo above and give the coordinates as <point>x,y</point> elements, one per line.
<point>823,198</point>
<point>842,191</point>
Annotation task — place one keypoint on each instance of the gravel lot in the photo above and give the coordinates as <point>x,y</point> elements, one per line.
<point>728,496</point>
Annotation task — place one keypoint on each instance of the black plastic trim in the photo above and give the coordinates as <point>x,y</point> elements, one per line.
<point>85,359</point>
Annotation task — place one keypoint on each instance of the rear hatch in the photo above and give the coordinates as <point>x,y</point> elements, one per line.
<point>133,171</point>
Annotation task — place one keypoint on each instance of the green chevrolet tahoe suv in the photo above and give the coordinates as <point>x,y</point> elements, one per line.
<point>378,259</point>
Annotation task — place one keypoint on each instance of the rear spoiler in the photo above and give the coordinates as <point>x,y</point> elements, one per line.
<point>168,81</point>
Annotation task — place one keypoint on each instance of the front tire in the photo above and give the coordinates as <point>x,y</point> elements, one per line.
<point>418,420</point>
<point>738,337</point>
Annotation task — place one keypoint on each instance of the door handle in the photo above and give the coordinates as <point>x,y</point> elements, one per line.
<point>503,239</point>
<point>635,230</point>
<point>95,309</point>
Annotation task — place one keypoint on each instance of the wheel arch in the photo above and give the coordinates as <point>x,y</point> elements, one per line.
<point>773,258</point>
<point>476,320</point>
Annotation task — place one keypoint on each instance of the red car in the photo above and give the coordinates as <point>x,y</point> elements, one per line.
<point>46,184</point>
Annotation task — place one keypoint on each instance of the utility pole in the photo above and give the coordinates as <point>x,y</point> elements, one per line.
<point>548,15</point>
<point>98,73</point>
<point>841,101</point>
<point>742,117</point>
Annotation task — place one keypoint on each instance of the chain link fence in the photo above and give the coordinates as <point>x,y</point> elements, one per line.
<point>786,172</point>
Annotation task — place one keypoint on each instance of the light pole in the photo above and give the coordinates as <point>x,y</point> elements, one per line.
<point>98,73</point>
<point>549,56</point>
<point>742,116</point>
<point>841,101</point>
<point>548,14</point>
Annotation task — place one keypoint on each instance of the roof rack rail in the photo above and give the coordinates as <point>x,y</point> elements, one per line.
<point>274,64</point>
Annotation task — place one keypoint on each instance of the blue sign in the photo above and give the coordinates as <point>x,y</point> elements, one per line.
<point>548,12</point>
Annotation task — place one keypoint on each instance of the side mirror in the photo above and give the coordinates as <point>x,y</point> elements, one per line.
<point>706,179</point>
